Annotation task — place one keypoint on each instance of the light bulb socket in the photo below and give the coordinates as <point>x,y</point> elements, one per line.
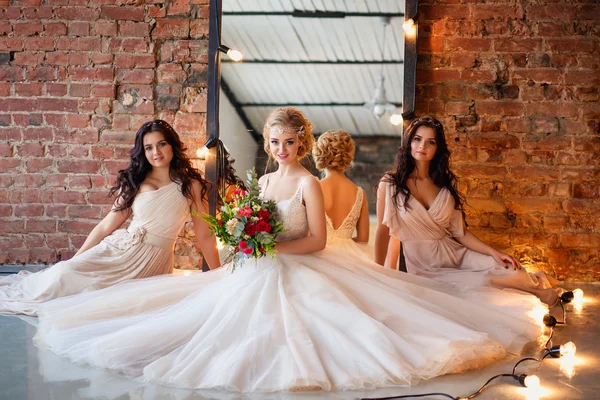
<point>408,115</point>
<point>210,143</point>
<point>550,321</point>
<point>567,297</point>
<point>223,49</point>
<point>555,351</point>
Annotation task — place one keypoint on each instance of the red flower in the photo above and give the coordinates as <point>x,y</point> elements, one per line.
<point>248,250</point>
<point>263,226</point>
<point>245,212</point>
<point>243,244</point>
<point>261,249</point>
<point>220,222</point>
<point>263,214</point>
<point>251,228</point>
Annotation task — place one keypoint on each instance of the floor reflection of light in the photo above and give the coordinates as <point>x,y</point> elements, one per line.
<point>538,313</point>
<point>567,365</point>
<point>187,272</point>
<point>534,393</point>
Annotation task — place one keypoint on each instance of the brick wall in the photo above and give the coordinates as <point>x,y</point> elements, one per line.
<point>516,84</point>
<point>77,78</point>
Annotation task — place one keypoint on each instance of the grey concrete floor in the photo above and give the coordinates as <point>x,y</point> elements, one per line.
<point>26,373</point>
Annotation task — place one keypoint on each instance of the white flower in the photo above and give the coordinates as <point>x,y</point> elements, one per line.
<point>231,224</point>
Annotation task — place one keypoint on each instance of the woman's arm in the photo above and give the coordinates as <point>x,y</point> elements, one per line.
<point>113,220</point>
<point>391,261</point>
<point>382,233</point>
<point>315,211</point>
<point>362,225</point>
<point>205,239</point>
<point>472,242</point>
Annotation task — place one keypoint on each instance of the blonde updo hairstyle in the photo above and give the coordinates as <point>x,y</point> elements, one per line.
<point>334,150</point>
<point>292,120</point>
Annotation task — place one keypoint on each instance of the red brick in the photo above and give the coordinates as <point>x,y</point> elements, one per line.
<point>79,29</point>
<point>91,74</point>
<point>38,164</point>
<point>77,13</point>
<point>79,181</point>
<point>39,43</point>
<point>29,210</point>
<point>550,12</point>
<point>75,226</point>
<point>41,226</point>
<point>37,13</point>
<point>27,28</point>
<point>10,13</point>
<point>571,45</point>
<point>438,11</point>
<point>57,58</point>
<point>135,76</point>
<point>9,164</point>
<point>517,45</point>
<point>56,180</point>
<point>80,166</point>
<point>28,89</point>
<point>135,29</point>
<point>493,11</point>
<point>553,110</point>
<point>85,212</point>
<point>178,7</point>
<point>78,43</point>
<point>79,90</point>
<point>504,108</point>
<point>18,256</point>
<point>580,240</point>
<point>40,74</point>
<point>11,74</point>
<point>68,197</point>
<point>102,58</point>
<point>55,29</point>
<point>78,120</point>
<point>31,150</point>
<point>123,13</point>
<point>469,44</point>
<point>199,29</point>
<point>56,89</point>
<point>99,198</point>
<point>12,44</point>
<point>58,240</point>
<point>171,29</point>
<point>106,28</point>
<point>103,91</point>
<point>130,61</point>
<point>10,134</point>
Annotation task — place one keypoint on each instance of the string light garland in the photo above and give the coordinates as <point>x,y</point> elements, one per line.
<point>566,350</point>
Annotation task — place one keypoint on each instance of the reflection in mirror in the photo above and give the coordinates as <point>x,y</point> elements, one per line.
<point>339,62</point>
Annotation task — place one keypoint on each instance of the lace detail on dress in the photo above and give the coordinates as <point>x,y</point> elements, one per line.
<point>346,229</point>
<point>293,215</point>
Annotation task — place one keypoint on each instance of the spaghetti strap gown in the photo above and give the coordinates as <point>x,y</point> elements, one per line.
<point>321,321</point>
<point>142,250</point>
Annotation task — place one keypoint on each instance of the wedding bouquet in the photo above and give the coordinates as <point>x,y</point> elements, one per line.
<point>248,224</point>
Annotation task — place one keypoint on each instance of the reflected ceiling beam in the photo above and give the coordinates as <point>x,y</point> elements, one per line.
<point>345,62</point>
<point>308,104</point>
<point>238,109</point>
<point>312,14</point>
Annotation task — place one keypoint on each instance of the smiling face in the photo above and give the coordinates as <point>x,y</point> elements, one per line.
<point>423,145</point>
<point>157,150</point>
<point>284,147</point>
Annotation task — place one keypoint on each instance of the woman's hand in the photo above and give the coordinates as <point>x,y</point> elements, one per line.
<point>506,260</point>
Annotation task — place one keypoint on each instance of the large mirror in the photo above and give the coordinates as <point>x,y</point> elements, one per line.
<point>340,62</point>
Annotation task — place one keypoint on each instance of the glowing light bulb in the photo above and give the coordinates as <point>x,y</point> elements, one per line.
<point>187,272</point>
<point>578,295</point>
<point>408,25</point>
<point>396,119</point>
<point>202,152</point>
<point>235,55</point>
<point>532,382</point>
<point>568,349</point>
<point>220,245</point>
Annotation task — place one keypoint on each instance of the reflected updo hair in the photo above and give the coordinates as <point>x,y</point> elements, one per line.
<point>334,150</point>
<point>181,169</point>
<point>292,120</point>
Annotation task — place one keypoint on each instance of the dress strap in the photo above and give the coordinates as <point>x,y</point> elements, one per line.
<point>302,185</point>
<point>264,190</point>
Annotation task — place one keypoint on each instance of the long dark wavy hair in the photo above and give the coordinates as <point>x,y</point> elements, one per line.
<point>230,176</point>
<point>181,170</point>
<point>439,170</point>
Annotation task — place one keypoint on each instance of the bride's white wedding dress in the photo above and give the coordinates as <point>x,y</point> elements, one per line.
<point>326,321</point>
